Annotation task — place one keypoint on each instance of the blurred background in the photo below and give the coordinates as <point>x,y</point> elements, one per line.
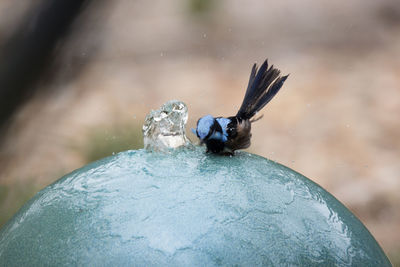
<point>78,77</point>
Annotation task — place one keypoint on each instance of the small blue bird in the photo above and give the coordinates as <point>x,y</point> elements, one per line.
<point>225,135</point>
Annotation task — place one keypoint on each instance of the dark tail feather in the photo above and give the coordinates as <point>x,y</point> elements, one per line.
<point>263,86</point>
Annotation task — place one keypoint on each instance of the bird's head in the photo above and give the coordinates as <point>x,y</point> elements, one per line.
<point>204,127</point>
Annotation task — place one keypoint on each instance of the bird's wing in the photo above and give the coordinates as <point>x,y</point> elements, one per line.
<point>242,137</point>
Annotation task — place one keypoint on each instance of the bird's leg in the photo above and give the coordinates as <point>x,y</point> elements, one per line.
<point>226,153</point>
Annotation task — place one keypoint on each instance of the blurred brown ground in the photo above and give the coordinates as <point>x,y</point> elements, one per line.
<point>336,119</point>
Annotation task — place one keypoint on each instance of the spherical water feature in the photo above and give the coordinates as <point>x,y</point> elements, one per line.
<point>186,208</point>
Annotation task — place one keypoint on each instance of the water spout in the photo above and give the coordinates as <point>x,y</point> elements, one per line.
<point>164,128</point>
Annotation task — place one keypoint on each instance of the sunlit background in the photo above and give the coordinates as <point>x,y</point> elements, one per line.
<point>77,81</point>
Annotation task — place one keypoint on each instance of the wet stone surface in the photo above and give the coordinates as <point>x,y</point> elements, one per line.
<point>186,208</point>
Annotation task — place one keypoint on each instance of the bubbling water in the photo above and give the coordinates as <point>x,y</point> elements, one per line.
<point>164,128</point>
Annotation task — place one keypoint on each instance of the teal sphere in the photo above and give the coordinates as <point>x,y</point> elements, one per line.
<point>186,208</point>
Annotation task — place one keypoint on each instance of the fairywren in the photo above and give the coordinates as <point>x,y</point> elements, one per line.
<point>225,135</point>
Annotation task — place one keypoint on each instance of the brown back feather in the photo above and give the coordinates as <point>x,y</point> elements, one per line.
<point>242,139</point>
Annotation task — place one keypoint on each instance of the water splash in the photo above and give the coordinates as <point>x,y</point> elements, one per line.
<point>164,129</point>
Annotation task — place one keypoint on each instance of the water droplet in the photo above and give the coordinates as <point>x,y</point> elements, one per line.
<point>204,35</point>
<point>161,54</point>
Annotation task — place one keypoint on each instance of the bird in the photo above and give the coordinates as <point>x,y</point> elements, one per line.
<point>225,135</point>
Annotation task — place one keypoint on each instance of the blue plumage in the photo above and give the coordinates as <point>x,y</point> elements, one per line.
<point>223,122</point>
<point>225,135</point>
<point>204,125</point>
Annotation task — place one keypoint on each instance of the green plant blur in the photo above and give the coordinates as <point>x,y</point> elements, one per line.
<point>108,140</point>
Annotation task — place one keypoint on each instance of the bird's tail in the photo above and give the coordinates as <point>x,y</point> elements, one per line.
<point>263,86</point>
